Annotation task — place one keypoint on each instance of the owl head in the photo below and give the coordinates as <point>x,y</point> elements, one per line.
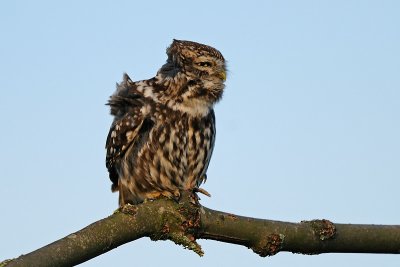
<point>197,60</point>
<point>194,75</point>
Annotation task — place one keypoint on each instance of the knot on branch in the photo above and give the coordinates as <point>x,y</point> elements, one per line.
<point>270,245</point>
<point>323,229</point>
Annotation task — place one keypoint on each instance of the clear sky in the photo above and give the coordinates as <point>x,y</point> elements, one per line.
<point>308,127</point>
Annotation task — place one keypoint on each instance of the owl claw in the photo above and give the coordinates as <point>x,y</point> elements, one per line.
<point>203,191</point>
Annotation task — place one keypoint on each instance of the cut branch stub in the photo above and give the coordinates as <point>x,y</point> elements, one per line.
<point>270,245</point>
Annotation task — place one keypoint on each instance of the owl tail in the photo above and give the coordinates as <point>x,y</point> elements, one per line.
<point>114,188</point>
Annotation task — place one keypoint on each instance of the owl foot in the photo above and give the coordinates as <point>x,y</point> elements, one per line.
<point>192,195</point>
<point>164,194</point>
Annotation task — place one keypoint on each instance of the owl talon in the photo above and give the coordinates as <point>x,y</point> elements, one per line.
<point>203,191</point>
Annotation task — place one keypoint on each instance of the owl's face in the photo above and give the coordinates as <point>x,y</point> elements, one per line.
<point>202,67</point>
<point>198,61</point>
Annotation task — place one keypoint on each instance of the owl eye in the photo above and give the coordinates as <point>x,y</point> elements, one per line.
<point>204,64</point>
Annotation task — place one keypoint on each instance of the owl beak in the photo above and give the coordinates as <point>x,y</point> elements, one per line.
<point>222,75</point>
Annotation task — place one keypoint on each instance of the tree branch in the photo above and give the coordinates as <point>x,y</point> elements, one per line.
<point>268,237</point>
<point>185,222</point>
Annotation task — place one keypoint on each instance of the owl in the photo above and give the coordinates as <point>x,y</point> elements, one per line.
<point>162,137</point>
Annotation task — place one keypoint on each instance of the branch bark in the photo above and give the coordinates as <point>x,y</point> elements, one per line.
<point>185,222</point>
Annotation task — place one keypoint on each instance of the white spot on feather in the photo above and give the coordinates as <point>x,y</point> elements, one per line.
<point>130,135</point>
<point>140,86</point>
<point>145,109</point>
<point>162,138</point>
<point>148,92</point>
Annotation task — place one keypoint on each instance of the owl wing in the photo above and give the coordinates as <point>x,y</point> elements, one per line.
<point>124,133</point>
<point>211,138</point>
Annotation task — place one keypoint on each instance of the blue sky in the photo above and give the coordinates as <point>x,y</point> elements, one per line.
<point>308,127</point>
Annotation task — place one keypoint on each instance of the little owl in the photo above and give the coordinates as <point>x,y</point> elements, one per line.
<point>162,137</point>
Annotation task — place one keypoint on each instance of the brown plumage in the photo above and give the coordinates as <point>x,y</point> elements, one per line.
<point>162,137</point>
